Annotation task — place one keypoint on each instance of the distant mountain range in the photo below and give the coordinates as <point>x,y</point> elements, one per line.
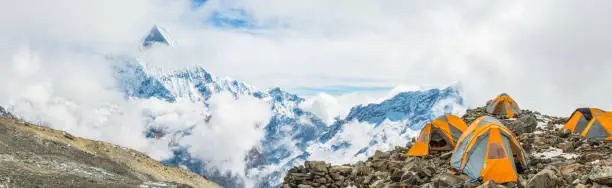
<point>293,134</point>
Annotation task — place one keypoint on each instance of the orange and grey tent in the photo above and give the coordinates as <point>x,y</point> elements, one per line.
<point>600,127</point>
<point>488,150</point>
<point>581,118</point>
<point>504,105</point>
<point>439,135</point>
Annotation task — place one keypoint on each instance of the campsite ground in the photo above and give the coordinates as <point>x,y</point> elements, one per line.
<point>556,159</point>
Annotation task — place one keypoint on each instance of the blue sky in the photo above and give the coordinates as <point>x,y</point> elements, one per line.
<point>339,90</point>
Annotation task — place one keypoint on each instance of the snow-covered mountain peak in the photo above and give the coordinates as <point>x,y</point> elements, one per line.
<point>157,34</point>
<point>292,134</point>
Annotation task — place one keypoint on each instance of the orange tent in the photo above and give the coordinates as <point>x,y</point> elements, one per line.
<point>488,150</point>
<point>600,128</point>
<point>439,135</point>
<point>504,105</point>
<point>581,118</point>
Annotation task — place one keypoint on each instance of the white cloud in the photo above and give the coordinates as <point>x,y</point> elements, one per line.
<point>236,127</point>
<point>359,135</point>
<point>523,48</point>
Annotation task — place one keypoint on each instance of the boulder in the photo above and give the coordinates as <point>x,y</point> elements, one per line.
<point>381,155</point>
<point>572,169</point>
<point>380,164</point>
<point>590,155</point>
<point>304,186</point>
<point>522,181</point>
<point>549,177</point>
<point>337,177</point>
<point>344,170</point>
<point>316,166</point>
<point>382,174</point>
<point>446,180</point>
<point>566,146</point>
<point>446,155</point>
<point>602,175</point>
<point>524,124</point>
<point>427,185</point>
<point>397,176</point>
<point>491,184</point>
<point>564,133</point>
<point>361,171</point>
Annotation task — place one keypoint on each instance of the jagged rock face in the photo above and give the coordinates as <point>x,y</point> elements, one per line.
<point>556,159</point>
<point>5,114</point>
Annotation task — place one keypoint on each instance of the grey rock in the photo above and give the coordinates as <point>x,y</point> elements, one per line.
<point>381,155</point>
<point>317,166</point>
<point>524,124</point>
<point>549,177</point>
<point>304,186</point>
<point>446,155</point>
<point>344,170</point>
<point>602,175</point>
<point>564,133</point>
<point>491,184</point>
<point>446,180</point>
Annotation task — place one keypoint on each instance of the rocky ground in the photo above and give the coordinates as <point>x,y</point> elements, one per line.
<point>36,156</point>
<point>557,159</point>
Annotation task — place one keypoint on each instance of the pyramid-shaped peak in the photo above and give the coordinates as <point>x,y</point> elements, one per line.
<point>156,35</point>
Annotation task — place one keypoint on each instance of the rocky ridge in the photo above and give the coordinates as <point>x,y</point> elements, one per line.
<point>37,156</point>
<point>556,159</point>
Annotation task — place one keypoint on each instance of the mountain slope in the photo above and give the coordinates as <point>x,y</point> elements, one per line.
<point>32,155</point>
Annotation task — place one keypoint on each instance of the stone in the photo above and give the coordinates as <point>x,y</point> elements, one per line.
<point>317,166</point>
<point>566,146</point>
<point>344,170</point>
<point>396,176</point>
<point>446,180</point>
<point>591,155</point>
<point>427,172</point>
<point>396,164</point>
<point>361,171</point>
<point>381,155</point>
<point>572,169</point>
<point>321,180</point>
<point>412,165</point>
<point>490,184</point>
<point>68,136</point>
<point>549,177</point>
<point>446,155</point>
<point>398,156</point>
<point>380,164</point>
<point>411,179</point>
<point>381,174</point>
<point>304,186</point>
<point>470,184</point>
<point>337,177</point>
<point>564,133</point>
<point>522,181</point>
<point>427,185</point>
<point>602,175</point>
<point>524,124</point>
